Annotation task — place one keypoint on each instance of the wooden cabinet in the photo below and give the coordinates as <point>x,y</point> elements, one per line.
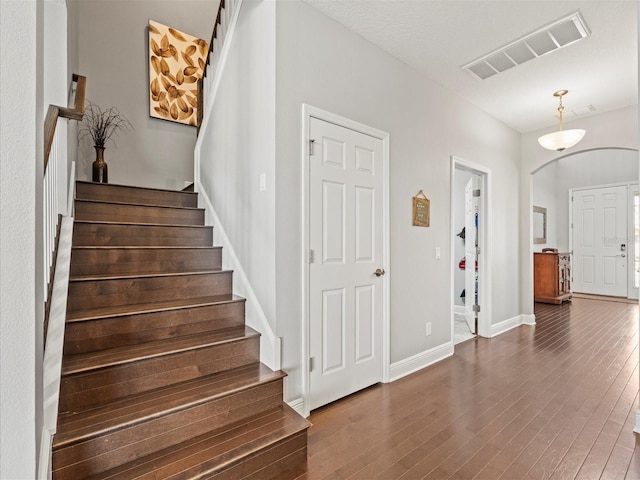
<point>551,277</point>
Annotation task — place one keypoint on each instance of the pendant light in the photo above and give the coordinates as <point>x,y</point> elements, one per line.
<point>561,139</point>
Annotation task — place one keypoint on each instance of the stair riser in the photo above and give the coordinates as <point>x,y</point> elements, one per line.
<point>98,234</point>
<point>128,444</point>
<point>106,212</point>
<point>123,194</point>
<point>86,389</point>
<point>93,335</point>
<point>286,459</point>
<point>143,261</point>
<point>131,291</point>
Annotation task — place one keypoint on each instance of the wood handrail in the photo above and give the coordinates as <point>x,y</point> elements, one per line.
<point>54,112</point>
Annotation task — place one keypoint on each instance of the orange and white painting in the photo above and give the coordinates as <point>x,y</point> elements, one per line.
<point>176,62</point>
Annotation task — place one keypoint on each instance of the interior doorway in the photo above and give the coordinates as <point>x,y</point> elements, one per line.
<point>469,251</point>
<point>346,293</point>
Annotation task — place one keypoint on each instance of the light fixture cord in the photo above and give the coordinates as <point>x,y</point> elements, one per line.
<point>560,110</point>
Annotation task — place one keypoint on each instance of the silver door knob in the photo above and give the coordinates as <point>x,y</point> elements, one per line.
<point>379,272</point>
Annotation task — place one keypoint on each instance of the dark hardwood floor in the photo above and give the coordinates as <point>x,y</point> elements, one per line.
<point>557,401</point>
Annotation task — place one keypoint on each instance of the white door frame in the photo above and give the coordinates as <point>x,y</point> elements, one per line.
<point>484,269</point>
<point>309,112</point>
<point>630,252</point>
<point>632,292</point>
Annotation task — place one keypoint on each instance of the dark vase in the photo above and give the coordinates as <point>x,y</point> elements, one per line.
<point>100,169</point>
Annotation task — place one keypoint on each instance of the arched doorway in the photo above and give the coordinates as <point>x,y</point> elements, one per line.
<point>552,188</point>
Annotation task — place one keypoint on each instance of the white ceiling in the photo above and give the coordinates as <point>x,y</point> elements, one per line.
<point>437,37</point>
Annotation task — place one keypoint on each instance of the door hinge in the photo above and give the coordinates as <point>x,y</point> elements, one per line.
<point>311,256</point>
<point>311,363</point>
<point>476,193</point>
<point>477,250</point>
<point>476,308</point>
<point>312,142</point>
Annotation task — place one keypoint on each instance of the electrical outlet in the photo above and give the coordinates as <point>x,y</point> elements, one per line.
<point>427,331</point>
<point>437,255</point>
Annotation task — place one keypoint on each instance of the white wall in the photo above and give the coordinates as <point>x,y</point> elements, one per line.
<point>545,194</point>
<point>111,43</point>
<point>20,286</point>
<point>238,144</point>
<point>617,129</point>
<point>321,63</point>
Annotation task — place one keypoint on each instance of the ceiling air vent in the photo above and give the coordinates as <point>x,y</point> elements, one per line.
<point>551,37</point>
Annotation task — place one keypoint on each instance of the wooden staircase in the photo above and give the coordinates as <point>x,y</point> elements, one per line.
<point>161,379</point>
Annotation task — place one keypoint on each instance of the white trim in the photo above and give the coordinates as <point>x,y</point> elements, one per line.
<point>46,452</point>
<point>484,272</point>
<point>52,361</point>
<point>298,405</point>
<point>458,310</point>
<point>71,190</point>
<point>308,112</point>
<point>636,429</point>
<point>270,344</point>
<point>632,291</point>
<point>511,323</point>
<point>419,361</point>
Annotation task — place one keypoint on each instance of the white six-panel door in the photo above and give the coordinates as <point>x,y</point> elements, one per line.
<point>600,246</point>
<point>346,238</point>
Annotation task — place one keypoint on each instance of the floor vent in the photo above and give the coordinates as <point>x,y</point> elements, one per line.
<point>559,34</point>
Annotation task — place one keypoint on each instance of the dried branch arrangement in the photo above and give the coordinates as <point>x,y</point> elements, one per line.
<point>102,125</point>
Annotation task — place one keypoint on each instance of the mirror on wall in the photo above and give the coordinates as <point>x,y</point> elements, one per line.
<point>539,225</point>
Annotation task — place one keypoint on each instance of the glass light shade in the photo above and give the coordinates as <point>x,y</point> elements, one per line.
<point>561,139</point>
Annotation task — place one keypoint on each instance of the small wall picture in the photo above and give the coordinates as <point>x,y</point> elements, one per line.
<point>421,210</point>
<point>176,62</point>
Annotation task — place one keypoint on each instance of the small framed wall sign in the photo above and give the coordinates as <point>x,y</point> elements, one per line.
<point>421,210</point>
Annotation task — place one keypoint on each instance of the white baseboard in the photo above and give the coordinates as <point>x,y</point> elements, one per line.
<point>510,323</point>
<point>459,310</point>
<point>636,429</point>
<point>419,361</point>
<point>298,405</point>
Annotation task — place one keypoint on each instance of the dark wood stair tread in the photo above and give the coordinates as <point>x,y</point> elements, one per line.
<point>79,426</point>
<point>146,247</point>
<point>216,451</point>
<point>142,224</point>
<point>156,189</point>
<point>114,203</point>
<point>122,310</point>
<point>85,362</point>
<point>134,194</point>
<point>126,276</point>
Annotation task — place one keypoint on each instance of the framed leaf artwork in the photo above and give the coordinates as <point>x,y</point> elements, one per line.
<point>176,62</point>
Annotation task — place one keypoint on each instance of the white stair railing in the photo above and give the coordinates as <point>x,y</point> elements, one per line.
<point>56,184</point>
